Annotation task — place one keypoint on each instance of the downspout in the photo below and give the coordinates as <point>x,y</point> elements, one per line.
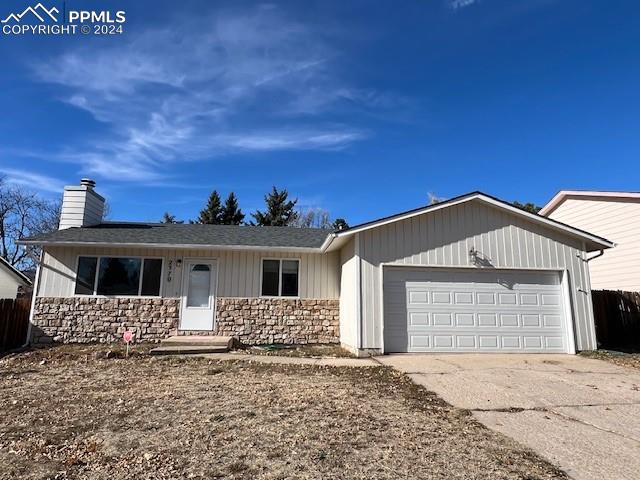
<point>36,287</point>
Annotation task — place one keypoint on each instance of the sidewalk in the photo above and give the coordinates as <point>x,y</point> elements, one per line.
<point>326,361</point>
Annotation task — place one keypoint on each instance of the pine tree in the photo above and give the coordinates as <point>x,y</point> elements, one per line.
<point>280,211</point>
<point>212,213</point>
<point>168,218</point>
<point>340,224</point>
<point>231,213</point>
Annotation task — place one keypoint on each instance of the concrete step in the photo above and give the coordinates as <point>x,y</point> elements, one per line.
<point>197,340</point>
<point>188,349</point>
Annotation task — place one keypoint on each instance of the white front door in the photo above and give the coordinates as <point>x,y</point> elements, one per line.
<point>198,294</point>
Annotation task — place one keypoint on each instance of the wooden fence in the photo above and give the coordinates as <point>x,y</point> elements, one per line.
<point>14,322</point>
<point>617,318</point>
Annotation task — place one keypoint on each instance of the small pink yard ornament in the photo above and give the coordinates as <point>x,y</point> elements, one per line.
<point>128,338</point>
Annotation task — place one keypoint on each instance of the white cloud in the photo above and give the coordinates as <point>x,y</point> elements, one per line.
<point>206,88</point>
<point>33,181</point>
<point>457,4</point>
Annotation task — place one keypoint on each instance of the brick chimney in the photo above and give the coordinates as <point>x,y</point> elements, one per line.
<point>81,205</point>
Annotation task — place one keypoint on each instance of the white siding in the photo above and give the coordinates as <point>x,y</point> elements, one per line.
<point>8,284</point>
<point>238,271</point>
<point>617,220</point>
<point>81,206</point>
<point>445,237</point>
<point>348,296</point>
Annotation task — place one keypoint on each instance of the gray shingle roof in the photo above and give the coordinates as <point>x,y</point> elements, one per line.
<point>187,234</point>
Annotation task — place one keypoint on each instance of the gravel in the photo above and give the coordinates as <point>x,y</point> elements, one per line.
<point>87,412</point>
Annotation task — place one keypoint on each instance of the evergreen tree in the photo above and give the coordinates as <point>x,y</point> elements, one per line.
<point>168,218</point>
<point>231,213</point>
<point>527,207</point>
<point>280,211</point>
<point>212,213</point>
<point>339,224</point>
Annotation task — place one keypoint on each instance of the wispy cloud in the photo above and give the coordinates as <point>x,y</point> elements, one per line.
<point>457,4</point>
<point>33,181</point>
<point>222,84</point>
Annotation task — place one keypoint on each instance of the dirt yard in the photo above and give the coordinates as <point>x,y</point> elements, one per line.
<point>75,412</point>
<point>619,358</point>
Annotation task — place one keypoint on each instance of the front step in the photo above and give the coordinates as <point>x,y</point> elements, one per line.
<point>186,344</point>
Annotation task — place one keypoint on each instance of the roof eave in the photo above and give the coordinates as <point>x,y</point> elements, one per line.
<point>185,246</point>
<point>600,243</point>
<point>17,273</point>
<point>559,197</point>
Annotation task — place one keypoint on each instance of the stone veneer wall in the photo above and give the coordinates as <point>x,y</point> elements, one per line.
<point>90,319</point>
<point>253,321</point>
<point>260,321</point>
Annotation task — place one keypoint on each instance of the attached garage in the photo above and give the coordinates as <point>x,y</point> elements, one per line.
<point>471,274</point>
<point>463,310</point>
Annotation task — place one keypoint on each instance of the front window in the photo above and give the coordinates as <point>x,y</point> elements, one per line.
<point>127,276</point>
<point>280,278</point>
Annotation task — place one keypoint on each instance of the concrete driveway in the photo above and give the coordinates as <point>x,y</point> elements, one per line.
<point>581,414</point>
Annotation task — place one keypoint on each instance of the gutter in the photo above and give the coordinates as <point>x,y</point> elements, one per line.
<point>327,242</point>
<point>188,246</point>
<point>595,256</point>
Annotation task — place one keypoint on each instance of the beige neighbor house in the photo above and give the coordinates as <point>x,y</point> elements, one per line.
<point>11,280</point>
<point>614,215</point>
<point>471,274</point>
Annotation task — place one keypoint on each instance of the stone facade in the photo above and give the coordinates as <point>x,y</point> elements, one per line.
<point>252,321</point>
<point>87,319</point>
<point>260,321</point>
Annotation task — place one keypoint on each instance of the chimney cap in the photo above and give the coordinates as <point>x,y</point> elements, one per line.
<point>87,182</point>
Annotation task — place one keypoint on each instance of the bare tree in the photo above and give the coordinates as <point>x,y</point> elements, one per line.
<point>23,214</point>
<point>312,218</point>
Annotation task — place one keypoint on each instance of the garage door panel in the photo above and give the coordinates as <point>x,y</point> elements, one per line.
<point>482,310</point>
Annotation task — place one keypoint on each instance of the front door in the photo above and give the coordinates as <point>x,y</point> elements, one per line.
<point>198,295</point>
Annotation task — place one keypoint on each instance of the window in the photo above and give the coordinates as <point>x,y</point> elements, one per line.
<point>280,278</point>
<point>199,286</point>
<point>119,276</point>
<point>86,277</point>
<point>130,276</point>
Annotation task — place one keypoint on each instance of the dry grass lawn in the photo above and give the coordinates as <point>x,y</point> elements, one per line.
<point>619,358</point>
<point>70,412</point>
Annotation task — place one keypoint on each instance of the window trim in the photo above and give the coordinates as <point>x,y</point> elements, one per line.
<point>280,260</point>
<point>95,280</point>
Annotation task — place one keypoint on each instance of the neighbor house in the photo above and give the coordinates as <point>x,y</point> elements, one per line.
<point>12,280</point>
<point>471,274</point>
<point>614,215</point>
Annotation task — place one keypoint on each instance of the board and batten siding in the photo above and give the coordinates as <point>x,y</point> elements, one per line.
<point>348,296</point>
<point>617,220</point>
<point>238,270</point>
<point>445,237</point>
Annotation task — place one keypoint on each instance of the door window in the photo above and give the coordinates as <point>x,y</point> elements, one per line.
<point>199,286</point>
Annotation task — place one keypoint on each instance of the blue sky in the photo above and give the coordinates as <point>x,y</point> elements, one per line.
<point>361,108</point>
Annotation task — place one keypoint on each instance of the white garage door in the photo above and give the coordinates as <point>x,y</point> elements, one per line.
<point>445,310</point>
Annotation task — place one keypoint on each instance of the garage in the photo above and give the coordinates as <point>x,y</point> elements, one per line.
<point>475,310</point>
<point>469,274</point>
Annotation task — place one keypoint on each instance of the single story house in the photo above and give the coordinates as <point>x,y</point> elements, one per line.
<point>11,280</point>
<point>470,274</point>
<point>614,215</point>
